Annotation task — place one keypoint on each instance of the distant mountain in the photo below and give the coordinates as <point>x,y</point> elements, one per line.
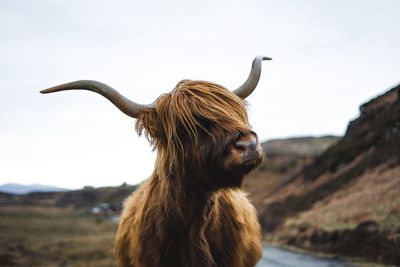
<point>299,146</point>
<point>19,189</point>
<point>84,198</point>
<point>284,159</point>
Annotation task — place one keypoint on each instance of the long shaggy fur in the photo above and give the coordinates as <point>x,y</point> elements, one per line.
<point>191,211</point>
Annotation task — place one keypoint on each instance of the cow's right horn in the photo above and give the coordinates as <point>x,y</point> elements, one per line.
<point>127,106</point>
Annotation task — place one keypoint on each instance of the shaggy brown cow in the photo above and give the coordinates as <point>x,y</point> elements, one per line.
<point>191,211</point>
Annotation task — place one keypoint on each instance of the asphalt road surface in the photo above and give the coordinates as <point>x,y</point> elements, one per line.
<point>276,257</point>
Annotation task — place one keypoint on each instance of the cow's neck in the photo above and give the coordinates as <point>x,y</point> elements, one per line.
<point>193,202</point>
<point>186,216</point>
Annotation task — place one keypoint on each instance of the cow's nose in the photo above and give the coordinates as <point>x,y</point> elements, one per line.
<point>250,146</point>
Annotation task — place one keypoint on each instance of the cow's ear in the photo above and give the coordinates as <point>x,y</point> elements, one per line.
<point>149,124</point>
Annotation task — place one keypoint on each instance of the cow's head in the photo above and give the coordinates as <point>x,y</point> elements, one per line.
<point>200,129</point>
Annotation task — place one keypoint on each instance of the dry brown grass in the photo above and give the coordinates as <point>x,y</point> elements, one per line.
<point>47,236</point>
<point>372,197</point>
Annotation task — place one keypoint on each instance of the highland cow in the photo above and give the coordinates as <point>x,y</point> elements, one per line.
<point>192,210</point>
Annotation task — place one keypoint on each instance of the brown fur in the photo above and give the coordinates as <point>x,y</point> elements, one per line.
<point>191,211</point>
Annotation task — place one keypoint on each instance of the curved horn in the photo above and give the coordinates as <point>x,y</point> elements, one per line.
<point>127,106</point>
<point>251,83</point>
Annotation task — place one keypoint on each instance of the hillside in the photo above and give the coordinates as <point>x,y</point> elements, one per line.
<point>346,200</point>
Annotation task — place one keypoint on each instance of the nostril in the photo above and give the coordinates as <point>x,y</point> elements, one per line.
<point>240,146</point>
<point>247,143</point>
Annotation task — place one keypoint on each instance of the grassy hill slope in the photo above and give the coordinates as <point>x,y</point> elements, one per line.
<point>345,201</point>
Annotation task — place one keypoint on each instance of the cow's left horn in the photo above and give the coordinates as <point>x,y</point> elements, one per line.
<point>251,83</point>
<point>127,106</point>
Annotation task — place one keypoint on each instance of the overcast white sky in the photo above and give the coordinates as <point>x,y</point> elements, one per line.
<point>328,58</point>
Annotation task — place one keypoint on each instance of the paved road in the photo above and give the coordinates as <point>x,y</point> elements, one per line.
<point>275,257</point>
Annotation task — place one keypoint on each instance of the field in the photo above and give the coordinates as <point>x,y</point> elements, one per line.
<point>52,236</point>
